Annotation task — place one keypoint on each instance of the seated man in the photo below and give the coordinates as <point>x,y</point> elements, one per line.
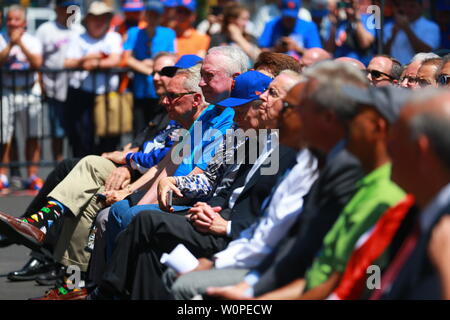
<point>384,70</point>
<point>70,249</point>
<point>428,73</point>
<point>40,264</point>
<point>324,115</point>
<point>137,273</point>
<point>367,139</point>
<point>199,186</point>
<point>286,203</point>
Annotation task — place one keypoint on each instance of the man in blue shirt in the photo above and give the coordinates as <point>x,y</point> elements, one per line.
<point>141,47</point>
<point>289,34</point>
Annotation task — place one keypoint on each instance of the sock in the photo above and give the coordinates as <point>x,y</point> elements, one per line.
<point>45,217</point>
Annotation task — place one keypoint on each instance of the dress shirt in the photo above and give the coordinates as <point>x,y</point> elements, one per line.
<point>286,203</point>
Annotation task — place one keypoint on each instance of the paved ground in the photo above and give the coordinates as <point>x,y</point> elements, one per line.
<point>14,257</point>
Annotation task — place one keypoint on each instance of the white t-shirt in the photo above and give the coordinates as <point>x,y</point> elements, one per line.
<point>424,29</point>
<point>55,40</point>
<point>18,61</point>
<point>83,45</point>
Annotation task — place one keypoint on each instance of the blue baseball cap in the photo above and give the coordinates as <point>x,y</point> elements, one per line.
<point>169,3</point>
<point>247,88</point>
<point>290,8</point>
<point>185,62</point>
<point>191,5</point>
<point>133,5</point>
<point>155,6</point>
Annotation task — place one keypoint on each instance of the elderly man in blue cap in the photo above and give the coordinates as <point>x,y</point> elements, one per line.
<point>202,234</point>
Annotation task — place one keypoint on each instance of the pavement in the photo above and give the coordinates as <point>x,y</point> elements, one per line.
<point>14,257</point>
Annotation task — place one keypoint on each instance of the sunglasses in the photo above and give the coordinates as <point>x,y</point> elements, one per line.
<point>444,79</point>
<point>375,74</point>
<point>174,96</point>
<point>423,83</point>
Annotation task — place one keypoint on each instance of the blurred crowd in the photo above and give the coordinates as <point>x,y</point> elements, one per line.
<point>339,188</point>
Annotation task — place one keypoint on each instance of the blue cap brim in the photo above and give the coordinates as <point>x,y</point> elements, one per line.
<point>234,102</point>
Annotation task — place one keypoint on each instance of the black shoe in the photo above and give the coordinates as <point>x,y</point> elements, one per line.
<point>51,278</point>
<point>4,241</point>
<point>31,270</point>
<point>98,294</point>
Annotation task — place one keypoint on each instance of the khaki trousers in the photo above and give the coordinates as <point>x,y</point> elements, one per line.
<point>78,193</point>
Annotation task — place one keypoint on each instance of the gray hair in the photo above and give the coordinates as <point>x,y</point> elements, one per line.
<point>433,125</point>
<point>422,56</point>
<point>191,83</point>
<point>237,60</point>
<point>330,77</point>
<point>17,7</point>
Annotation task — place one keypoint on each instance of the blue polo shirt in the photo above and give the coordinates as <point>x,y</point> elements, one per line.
<point>145,48</point>
<point>205,136</point>
<point>305,33</point>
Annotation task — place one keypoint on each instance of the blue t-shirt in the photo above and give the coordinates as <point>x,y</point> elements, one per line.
<point>205,136</point>
<point>305,33</point>
<point>145,48</point>
<point>344,44</point>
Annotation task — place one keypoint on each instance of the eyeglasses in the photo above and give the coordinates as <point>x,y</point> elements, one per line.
<point>410,79</point>
<point>444,79</point>
<point>174,96</point>
<point>423,83</point>
<point>375,74</point>
<point>286,106</point>
<point>154,73</point>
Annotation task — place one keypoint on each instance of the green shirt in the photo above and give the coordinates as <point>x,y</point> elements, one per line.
<point>376,193</point>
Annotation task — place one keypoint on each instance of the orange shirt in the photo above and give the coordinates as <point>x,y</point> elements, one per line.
<point>192,42</point>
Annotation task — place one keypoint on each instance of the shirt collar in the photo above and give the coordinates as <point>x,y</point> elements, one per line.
<point>431,212</point>
<point>338,147</point>
<point>379,174</point>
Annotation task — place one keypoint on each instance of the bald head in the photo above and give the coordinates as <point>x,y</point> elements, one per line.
<point>314,55</point>
<point>356,63</point>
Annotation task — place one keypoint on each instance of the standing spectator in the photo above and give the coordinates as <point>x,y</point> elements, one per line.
<point>20,51</point>
<point>411,32</point>
<point>189,40</point>
<point>235,21</point>
<point>384,70</point>
<point>95,49</point>
<point>213,22</point>
<point>169,15</point>
<point>349,34</point>
<point>141,47</point>
<point>270,11</point>
<point>288,33</point>
<point>133,16</point>
<point>55,37</point>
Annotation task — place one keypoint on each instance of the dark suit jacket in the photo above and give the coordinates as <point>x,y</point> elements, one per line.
<point>247,207</point>
<point>418,278</point>
<point>328,196</point>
